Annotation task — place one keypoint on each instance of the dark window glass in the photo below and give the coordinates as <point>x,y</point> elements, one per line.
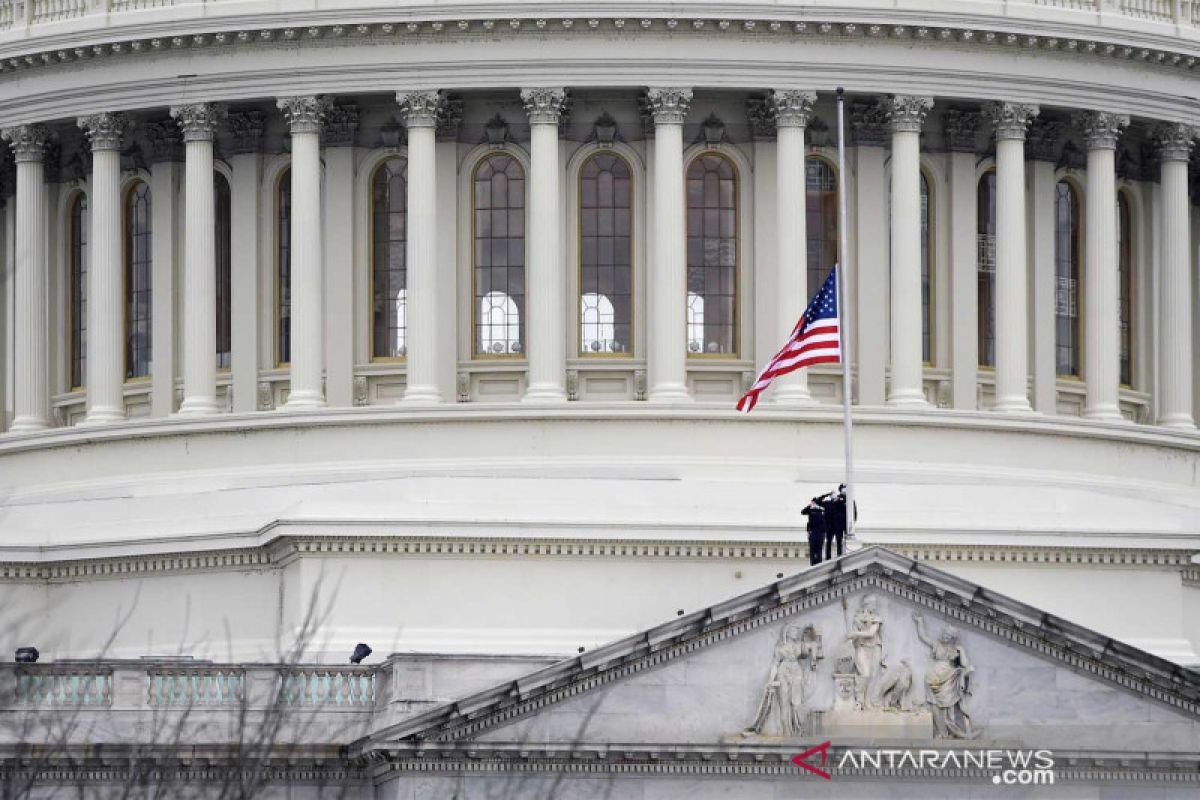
<point>1066,280</point>
<point>389,276</point>
<point>712,245</point>
<point>985,228</point>
<point>926,272</point>
<point>224,253</point>
<point>138,273</point>
<point>821,212</point>
<point>283,278</point>
<point>605,255</point>
<point>78,312</point>
<point>498,262</point>
<point>1125,275</point>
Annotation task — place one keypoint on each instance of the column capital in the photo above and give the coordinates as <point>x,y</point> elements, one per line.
<point>199,121</point>
<point>304,113</point>
<point>1101,129</point>
<point>1011,120</point>
<point>792,107</point>
<point>28,142</point>
<point>545,106</point>
<point>421,109</point>
<point>907,112</point>
<point>105,131</point>
<point>959,129</point>
<point>668,105</point>
<point>1175,140</point>
<point>246,128</point>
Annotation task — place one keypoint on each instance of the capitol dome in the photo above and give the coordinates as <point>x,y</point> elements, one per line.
<point>434,315</point>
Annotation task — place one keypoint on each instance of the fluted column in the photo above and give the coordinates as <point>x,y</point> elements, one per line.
<point>304,116</point>
<point>792,111</point>
<point>31,394</point>
<point>907,113</point>
<point>1101,339</point>
<point>105,278</point>
<point>420,110</point>
<point>199,124</point>
<point>546,289</point>
<point>1012,255</point>
<point>667,366</point>
<point>1175,303</point>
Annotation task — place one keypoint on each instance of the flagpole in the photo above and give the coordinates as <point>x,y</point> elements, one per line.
<point>845,325</point>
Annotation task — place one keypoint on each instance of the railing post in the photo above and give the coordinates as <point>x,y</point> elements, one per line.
<point>129,687</point>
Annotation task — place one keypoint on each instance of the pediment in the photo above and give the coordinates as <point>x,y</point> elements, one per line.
<point>836,652</point>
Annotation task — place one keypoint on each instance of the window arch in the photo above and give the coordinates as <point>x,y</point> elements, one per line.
<point>926,269</point>
<point>283,268</point>
<point>389,265</point>
<point>985,229</point>
<point>138,275</point>
<point>1067,257</point>
<point>821,212</point>
<point>605,255</point>
<point>712,251</point>
<point>1125,278</point>
<point>498,255</point>
<point>77,313</point>
<point>223,219</point>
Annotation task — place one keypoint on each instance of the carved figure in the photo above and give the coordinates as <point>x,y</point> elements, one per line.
<point>894,687</point>
<point>789,683</point>
<point>866,635</point>
<point>947,682</point>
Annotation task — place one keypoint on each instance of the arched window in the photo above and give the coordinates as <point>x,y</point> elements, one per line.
<point>1125,270</point>
<point>926,270</point>
<point>498,263</point>
<point>712,245</point>
<point>985,228</point>
<point>1067,253</point>
<point>821,217</point>
<point>389,276</point>
<point>283,269</point>
<point>138,269</point>
<point>78,312</point>
<point>224,253</point>
<point>605,255</point>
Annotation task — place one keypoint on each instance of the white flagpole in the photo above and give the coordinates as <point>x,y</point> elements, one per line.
<point>844,321</point>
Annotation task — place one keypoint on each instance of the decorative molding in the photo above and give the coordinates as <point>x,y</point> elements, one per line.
<point>199,121</point>
<point>870,123</point>
<point>1041,140</point>
<point>960,130</point>
<point>605,131</point>
<point>450,119</point>
<point>1011,120</point>
<point>28,142</point>
<point>305,113</point>
<point>166,141</point>
<point>246,130</point>
<point>495,132</point>
<point>545,106</point>
<point>1174,140</point>
<point>361,396</point>
<point>907,112</point>
<point>712,131</point>
<point>105,131</point>
<point>572,384</point>
<point>340,125</point>
<point>760,117</point>
<point>668,105</point>
<point>1100,128</point>
<point>791,108</point>
<point>639,384</point>
<point>462,387</point>
<point>266,396</point>
<point>421,109</point>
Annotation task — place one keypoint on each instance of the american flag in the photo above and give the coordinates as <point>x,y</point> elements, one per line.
<point>814,340</point>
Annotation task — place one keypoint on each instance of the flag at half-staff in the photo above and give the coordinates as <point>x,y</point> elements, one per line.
<point>816,339</point>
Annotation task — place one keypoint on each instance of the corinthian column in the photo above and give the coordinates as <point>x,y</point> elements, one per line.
<point>668,263</point>
<point>1101,340</point>
<point>1175,405</point>
<point>199,124</point>
<point>547,281</point>
<point>31,396</point>
<point>420,110</point>
<point>304,116</point>
<point>906,115</point>
<point>105,279</point>
<point>792,111</point>
<point>1012,316</point>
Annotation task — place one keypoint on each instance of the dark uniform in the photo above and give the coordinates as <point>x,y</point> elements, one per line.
<point>816,530</point>
<point>835,521</point>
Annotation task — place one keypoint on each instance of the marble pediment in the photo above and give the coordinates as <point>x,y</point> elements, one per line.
<point>873,647</point>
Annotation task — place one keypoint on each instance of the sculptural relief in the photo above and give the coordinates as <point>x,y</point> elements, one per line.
<point>788,691</point>
<point>947,682</point>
